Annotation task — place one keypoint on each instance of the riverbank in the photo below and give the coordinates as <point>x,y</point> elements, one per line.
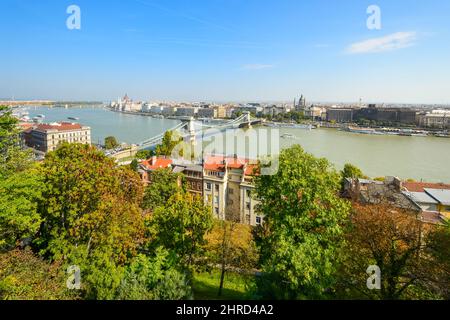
<point>419,158</point>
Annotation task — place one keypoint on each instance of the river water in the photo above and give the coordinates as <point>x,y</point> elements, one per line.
<point>420,158</point>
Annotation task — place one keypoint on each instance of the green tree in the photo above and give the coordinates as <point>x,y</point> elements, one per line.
<point>111,143</point>
<point>350,171</point>
<point>164,184</point>
<point>92,216</point>
<point>153,278</point>
<point>19,218</point>
<point>12,156</point>
<point>180,227</point>
<point>302,226</point>
<point>169,142</point>
<point>144,154</point>
<point>134,165</point>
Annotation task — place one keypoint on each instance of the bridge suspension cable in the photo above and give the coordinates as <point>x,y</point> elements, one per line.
<point>157,139</point>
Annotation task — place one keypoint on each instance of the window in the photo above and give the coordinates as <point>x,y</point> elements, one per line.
<point>216,200</point>
<point>249,193</point>
<point>217,187</point>
<point>258,220</point>
<point>248,205</point>
<point>208,186</point>
<point>216,210</point>
<point>230,191</point>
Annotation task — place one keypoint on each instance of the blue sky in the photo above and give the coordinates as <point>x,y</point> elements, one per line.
<point>226,50</point>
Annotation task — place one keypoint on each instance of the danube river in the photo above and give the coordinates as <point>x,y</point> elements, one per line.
<point>420,158</point>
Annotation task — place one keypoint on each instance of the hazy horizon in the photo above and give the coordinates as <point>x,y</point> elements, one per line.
<point>226,51</point>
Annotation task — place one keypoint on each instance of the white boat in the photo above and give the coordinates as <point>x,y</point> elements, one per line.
<point>288,136</point>
<point>363,130</point>
<point>291,125</point>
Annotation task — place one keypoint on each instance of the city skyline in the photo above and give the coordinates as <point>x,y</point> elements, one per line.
<point>226,51</point>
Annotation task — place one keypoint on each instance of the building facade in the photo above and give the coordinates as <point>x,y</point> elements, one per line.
<point>47,137</point>
<point>224,183</point>
<point>228,188</point>
<point>340,115</point>
<point>438,119</point>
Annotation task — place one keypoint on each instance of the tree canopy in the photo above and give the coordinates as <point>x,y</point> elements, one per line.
<point>180,226</point>
<point>164,184</point>
<point>13,158</point>
<point>303,217</point>
<point>169,142</point>
<point>401,246</point>
<point>111,142</point>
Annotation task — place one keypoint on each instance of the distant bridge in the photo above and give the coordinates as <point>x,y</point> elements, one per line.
<point>186,130</point>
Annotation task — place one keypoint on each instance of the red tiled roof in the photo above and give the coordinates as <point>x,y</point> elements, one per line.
<point>421,186</point>
<point>217,163</point>
<point>232,162</point>
<point>214,166</point>
<point>158,163</point>
<point>25,125</point>
<point>63,126</point>
<point>252,170</point>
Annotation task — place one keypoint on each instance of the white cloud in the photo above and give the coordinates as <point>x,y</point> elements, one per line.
<point>390,42</point>
<point>257,66</point>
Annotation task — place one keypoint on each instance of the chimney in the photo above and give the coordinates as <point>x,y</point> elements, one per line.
<point>398,184</point>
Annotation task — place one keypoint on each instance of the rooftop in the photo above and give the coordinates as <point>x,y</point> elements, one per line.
<point>441,195</point>
<point>217,163</point>
<point>156,163</point>
<point>181,168</point>
<point>420,197</point>
<point>59,126</point>
<point>421,186</point>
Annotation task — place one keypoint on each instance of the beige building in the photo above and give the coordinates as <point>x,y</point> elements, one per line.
<point>316,113</point>
<point>439,119</point>
<point>220,112</point>
<point>47,137</point>
<point>228,189</point>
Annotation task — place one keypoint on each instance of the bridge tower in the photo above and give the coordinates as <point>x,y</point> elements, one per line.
<point>191,128</point>
<point>248,119</point>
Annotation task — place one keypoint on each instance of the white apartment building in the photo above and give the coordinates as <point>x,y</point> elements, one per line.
<point>228,189</point>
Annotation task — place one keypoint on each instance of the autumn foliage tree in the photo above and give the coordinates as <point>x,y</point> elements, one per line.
<point>231,246</point>
<point>91,214</point>
<point>24,276</point>
<point>398,243</point>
